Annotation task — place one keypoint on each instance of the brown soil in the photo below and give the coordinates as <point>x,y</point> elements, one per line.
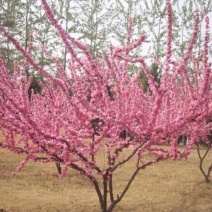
<point>175,186</point>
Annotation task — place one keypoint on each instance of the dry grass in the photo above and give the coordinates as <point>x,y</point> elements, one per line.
<point>175,186</point>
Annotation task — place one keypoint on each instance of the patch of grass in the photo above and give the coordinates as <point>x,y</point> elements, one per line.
<point>174,186</point>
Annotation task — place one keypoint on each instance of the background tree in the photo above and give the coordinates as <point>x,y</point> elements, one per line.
<point>94,24</point>
<point>8,19</point>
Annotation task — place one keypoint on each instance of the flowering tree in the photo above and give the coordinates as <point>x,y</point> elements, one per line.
<point>202,158</point>
<point>99,107</point>
<point>205,139</point>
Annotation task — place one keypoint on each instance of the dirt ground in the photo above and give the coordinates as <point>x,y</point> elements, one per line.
<point>175,186</point>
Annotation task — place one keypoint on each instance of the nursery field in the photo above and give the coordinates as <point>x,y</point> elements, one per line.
<point>174,186</point>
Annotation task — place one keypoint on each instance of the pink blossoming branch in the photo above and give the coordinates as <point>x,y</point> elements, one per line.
<point>99,107</point>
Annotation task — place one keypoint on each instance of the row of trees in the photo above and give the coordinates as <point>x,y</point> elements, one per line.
<point>91,99</point>
<point>97,23</point>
